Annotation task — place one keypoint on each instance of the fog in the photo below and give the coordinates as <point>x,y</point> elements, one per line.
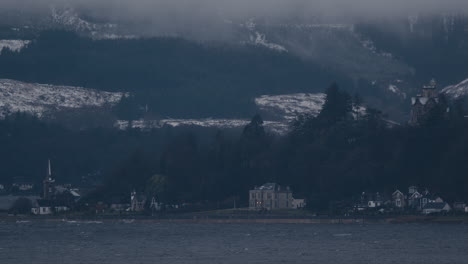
<point>211,17</point>
<point>233,9</point>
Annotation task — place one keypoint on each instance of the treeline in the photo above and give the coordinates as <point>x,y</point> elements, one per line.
<point>170,76</point>
<point>335,156</point>
<point>345,150</point>
<point>78,156</point>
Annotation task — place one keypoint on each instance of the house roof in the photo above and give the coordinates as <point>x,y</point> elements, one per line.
<point>435,206</point>
<point>416,195</point>
<point>270,187</point>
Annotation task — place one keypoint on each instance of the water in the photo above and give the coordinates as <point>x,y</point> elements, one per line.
<point>136,242</point>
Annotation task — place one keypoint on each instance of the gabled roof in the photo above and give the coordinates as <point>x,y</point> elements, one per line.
<point>423,100</point>
<point>416,195</point>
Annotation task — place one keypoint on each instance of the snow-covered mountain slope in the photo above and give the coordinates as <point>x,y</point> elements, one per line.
<point>37,99</point>
<point>272,126</point>
<point>282,108</point>
<point>13,44</point>
<point>259,39</point>
<point>67,18</point>
<point>456,91</point>
<point>288,106</point>
<point>337,46</point>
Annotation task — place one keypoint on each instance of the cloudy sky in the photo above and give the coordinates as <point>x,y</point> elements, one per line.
<point>163,16</point>
<point>236,8</point>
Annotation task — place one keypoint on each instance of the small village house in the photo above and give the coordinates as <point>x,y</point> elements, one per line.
<point>137,202</point>
<point>459,206</point>
<point>42,207</point>
<point>398,199</point>
<point>23,186</point>
<point>414,198</point>
<point>431,208</point>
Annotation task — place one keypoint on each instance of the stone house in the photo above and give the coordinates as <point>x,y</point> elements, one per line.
<point>273,196</point>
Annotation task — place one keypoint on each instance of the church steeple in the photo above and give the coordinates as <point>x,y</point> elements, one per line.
<point>48,183</point>
<point>49,171</point>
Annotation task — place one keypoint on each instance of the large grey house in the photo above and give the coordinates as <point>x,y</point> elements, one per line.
<point>273,196</point>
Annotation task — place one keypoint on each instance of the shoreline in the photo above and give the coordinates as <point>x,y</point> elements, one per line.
<point>407,219</point>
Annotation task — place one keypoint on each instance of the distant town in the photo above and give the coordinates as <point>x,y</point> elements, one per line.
<point>62,199</point>
<point>54,197</point>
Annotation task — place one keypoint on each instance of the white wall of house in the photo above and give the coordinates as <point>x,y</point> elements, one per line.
<point>45,210</point>
<point>299,203</point>
<point>60,209</point>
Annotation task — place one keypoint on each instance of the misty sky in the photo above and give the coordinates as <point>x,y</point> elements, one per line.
<point>180,9</point>
<point>209,18</point>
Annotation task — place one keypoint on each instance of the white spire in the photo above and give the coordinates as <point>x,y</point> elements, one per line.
<point>49,170</point>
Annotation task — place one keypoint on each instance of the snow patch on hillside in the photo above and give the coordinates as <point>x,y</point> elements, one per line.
<point>283,107</point>
<point>259,39</point>
<point>37,99</point>
<point>394,89</point>
<point>345,27</point>
<point>456,91</point>
<point>288,106</point>
<point>272,126</point>
<point>13,44</point>
<point>69,19</point>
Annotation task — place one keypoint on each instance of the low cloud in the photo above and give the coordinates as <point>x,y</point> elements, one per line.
<point>186,15</point>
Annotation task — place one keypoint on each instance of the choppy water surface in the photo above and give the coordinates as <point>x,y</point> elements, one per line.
<point>135,242</point>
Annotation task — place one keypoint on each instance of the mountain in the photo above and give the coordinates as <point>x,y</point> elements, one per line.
<point>457,91</point>
<point>193,73</point>
<point>38,99</point>
<point>172,77</point>
<point>43,100</point>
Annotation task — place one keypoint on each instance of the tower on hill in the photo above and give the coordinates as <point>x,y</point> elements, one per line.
<point>423,103</point>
